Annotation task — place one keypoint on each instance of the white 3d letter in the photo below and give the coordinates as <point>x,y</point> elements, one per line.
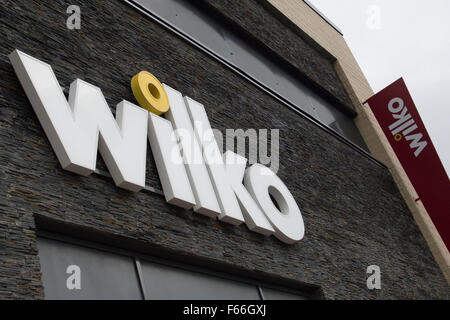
<point>76,128</point>
<point>206,201</point>
<point>254,218</point>
<point>231,212</point>
<point>169,163</point>
<point>287,219</point>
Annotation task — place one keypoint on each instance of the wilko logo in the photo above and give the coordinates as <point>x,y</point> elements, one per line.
<point>405,126</point>
<point>193,171</point>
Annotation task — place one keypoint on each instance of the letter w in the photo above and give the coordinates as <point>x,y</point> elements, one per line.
<point>416,143</point>
<point>76,128</point>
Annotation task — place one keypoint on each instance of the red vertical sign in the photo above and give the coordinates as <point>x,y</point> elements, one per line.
<point>398,117</point>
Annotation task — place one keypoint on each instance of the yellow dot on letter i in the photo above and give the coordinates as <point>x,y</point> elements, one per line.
<point>150,93</point>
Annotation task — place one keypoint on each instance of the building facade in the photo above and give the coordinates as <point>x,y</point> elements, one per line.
<point>253,65</point>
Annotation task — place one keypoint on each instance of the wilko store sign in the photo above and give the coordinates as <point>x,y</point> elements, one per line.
<point>397,115</point>
<point>216,185</point>
<point>405,126</point>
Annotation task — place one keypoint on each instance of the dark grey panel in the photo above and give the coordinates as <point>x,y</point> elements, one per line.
<point>164,282</point>
<point>103,275</point>
<point>249,60</point>
<point>236,50</point>
<point>185,17</point>
<point>272,294</point>
<point>294,91</point>
<point>335,119</point>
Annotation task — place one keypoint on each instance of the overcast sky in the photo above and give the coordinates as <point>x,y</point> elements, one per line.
<point>403,38</point>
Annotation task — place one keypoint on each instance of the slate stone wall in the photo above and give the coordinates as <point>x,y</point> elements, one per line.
<point>353,213</point>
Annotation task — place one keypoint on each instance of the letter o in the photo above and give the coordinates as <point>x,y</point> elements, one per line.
<point>150,93</point>
<point>400,103</point>
<point>286,219</point>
